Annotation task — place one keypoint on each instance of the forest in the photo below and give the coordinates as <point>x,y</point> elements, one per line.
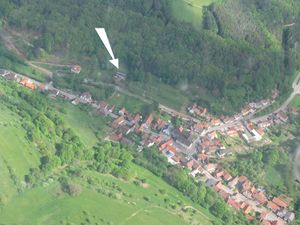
<point>239,54</point>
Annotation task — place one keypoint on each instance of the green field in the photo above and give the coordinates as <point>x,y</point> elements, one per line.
<point>296,102</point>
<point>87,124</point>
<point>16,154</point>
<point>46,206</point>
<point>164,94</point>
<point>190,10</point>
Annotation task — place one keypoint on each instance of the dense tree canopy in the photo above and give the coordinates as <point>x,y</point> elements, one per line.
<point>232,62</point>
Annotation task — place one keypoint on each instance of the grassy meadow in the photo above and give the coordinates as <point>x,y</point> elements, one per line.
<point>296,102</point>
<point>190,10</point>
<point>104,200</point>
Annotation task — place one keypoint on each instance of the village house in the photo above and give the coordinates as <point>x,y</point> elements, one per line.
<point>203,157</point>
<point>103,107</point>
<point>197,171</point>
<point>247,209</point>
<point>86,98</point>
<point>116,136</point>
<point>211,167</point>
<point>192,164</point>
<point>126,141</point>
<point>11,76</point>
<point>211,182</point>
<point>120,76</point>
<point>197,110</point>
<point>289,217</point>
<point>265,102</point>
<point>28,83</point>
<point>215,122</point>
<point>279,202</point>
<point>226,119</point>
<point>148,121</point>
<point>124,129</point>
<point>260,197</point>
<point>250,134</point>
<point>118,122</point>
<point>264,123</point>
<point>222,152</point>
<point>282,116</point>
<point>232,202</point>
<point>293,110</point>
<point>159,124</point>
<point>76,69</point>
<point>272,206</point>
<point>172,155</point>
<point>232,132</point>
<point>247,110</point>
<point>123,112</point>
<point>136,119</point>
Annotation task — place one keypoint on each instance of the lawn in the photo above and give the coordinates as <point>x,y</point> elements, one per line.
<point>85,123</point>
<point>42,206</point>
<point>14,147</point>
<point>162,93</point>
<point>16,154</point>
<point>132,104</point>
<point>296,102</point>
<point>190,10</point>
<point>273,177</point>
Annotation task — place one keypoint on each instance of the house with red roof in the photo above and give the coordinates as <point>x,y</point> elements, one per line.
<point>260,197</point>
<point>148,121</point>
<point>279,202</point>
<point>118,122</point>
<point>233,203</point>
<point>76,69</point>
<point>272,206</point>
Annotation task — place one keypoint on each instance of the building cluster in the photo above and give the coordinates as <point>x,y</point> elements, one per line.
<point>191,145</point>
<point>242,195</point>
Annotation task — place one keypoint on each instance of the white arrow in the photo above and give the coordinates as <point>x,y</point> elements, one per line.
<point>103,36</point>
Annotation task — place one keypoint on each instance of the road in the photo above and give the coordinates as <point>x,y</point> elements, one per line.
<point>163,108</point>
<point>51,64</point>
<point>296,91</point>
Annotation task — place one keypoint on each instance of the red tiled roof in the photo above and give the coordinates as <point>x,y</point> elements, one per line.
<point>171,149</point>
<point>233,203</point>
<point>279,202</point>
<point>271,205</point>
<point>247,209</point>
<point>149,120</point>
<point>260,197</point>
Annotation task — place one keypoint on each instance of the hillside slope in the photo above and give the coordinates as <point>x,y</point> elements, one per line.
<point>241,53</point>
<point>37,187</point>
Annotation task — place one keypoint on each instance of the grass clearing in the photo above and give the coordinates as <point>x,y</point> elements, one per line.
<point>273,177</point>
<point>132,104</point>
<point>161,93</point>
<point>190,10</point>
<point>296,102</point>
<point>89,126</point>
<point>14,147</point>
